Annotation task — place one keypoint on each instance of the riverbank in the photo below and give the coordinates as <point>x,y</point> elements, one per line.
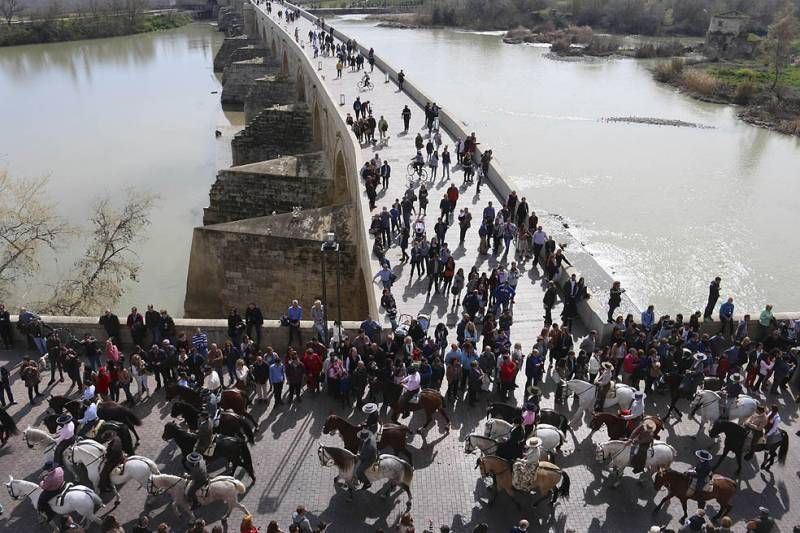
<point>747,84</point>
<point>80,28</point>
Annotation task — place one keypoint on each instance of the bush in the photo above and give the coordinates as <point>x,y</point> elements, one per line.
<point>561,45</point>
<point>700,82</point>
<point>602,45</point>
<point>581,34</point>
<point>744,92</point>
<point>668,71</point>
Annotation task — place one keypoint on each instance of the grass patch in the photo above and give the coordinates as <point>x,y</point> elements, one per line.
<point>668,71</point>
<point>760,76</point>
<point>700,82</point>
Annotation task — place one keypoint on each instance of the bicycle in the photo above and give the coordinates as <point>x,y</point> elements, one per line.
<point>416,174</point>
<point>368,86</point>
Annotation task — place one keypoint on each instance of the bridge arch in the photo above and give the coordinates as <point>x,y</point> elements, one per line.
<point>285,63</point>
<point>301,85</point>
<point>316,125</point>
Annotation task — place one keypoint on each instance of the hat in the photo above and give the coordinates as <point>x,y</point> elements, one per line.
<point>639,394</point>
<point>700,357</point>
<point>703,455</point>
<point>364,434</point>
<point>531,406</point>
<point>533,442</point>
<point>760,408</point>
<point>763,510</point>
<point>194,458</point>
<point>650,425</point>
<point>63,420</point>
<point>607,365</point>
<point>370,408</point>
<point>49,465</point>
<point>736,378</point>
<point>686,351</point>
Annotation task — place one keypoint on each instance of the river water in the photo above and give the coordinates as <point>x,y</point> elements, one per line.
<point>101,116</point>
<point>664,209</point>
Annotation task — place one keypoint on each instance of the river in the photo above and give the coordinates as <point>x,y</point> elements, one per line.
<point>100,116</point>
<point>663,209</point>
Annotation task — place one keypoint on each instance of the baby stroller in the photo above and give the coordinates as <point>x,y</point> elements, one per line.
<point>405,322</point>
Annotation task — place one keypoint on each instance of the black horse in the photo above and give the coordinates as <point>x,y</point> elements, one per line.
<point>513,415</point>
<point>735,437</point>
<point>229,423</point>
<point>685,386</point>
<point>8,427</point>
<point>233,449</point>
<point>106,410</point>
<point>232,399</point>
<point>118,428</point>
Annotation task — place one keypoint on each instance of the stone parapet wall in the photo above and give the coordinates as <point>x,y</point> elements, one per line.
<point>274,132</point>
<point>230,21</point>
<point>240,76</point>
<point>266,92</point>
<point>278,185</point>
<point>225,54</point>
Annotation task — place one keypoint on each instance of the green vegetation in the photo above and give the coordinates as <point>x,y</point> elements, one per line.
<point>341,4</point>
<point>73,28</point>
<point>756,75</point>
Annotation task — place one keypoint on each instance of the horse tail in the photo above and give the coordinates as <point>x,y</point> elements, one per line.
<point>151,465</point>
<point>240,488</point>
<point>408,473</point>
<point>131,418</point>
<point>248,431</point>
<point>563,490</point>
<point>95,498</point>
<point>784,448</point>
<point>8,423</point>
<point>247,459</point>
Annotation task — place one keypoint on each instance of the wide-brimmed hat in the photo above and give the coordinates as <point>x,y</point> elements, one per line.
<point>364,434</point>
<point>531,406</point>
<point>700,357</point>
<point>194,458</point>
<point>686,351</point>
<point>650,425</point>
<point>703,455</point>
<point>763,510</point>
<point>736,378</point>
<point>63,420</point>
<point>760,408</point>
<point>533,442</point>
<point>370,408</point>
<point>607,365</point>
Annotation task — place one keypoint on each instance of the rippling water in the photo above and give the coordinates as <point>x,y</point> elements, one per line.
<point>665,209</point>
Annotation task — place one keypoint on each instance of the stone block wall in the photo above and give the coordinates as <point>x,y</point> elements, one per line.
<point>276,131</point>
<point>267,92</point>
<point>230,46</point>
<point>230,21</point>
<point>240,76</point>
<point>260,188</point>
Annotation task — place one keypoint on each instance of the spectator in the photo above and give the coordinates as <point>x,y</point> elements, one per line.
<point>294,315</point>
<point>110,323</point>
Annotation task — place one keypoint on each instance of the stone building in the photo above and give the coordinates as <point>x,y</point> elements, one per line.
<point>727,36</point>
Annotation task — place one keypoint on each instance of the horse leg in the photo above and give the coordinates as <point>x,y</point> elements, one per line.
<point>251,419</point>
<point>407,454</point>
<point>738,461</point>
<point>662,502</point>
<point>133,430</point>
<point>445,415</point>
<point>407,490</point>
<point>428,420</point>
<point>493,491</point>
<point>685,512</point>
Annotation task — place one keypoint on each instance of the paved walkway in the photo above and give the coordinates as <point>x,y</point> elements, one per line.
<point>387,100</point>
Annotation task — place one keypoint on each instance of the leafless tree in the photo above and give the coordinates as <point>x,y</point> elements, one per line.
<point>779,42</point>
<point>10,9</point>
<point>27,224</point>
<point>109,260</point>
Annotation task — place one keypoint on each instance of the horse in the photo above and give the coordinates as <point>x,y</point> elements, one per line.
<point>394,469</point>
<point>546,479</point>
<point>685,386</point>
<point>486,445</point>
<point>228,423</point>
<point>78,499</point>
<point>660,456</point>
<point>392,435</point>
<point>8,427</point>
<point>230,399</point>
<point>119,428</point>
<point>677,484</point>
<point>430,400</point>
<point>585,392</point>
<point>617,426</point>
<point>233,449</point>
<point>219,488</point>
<point>106,410</point>
<point>708,403</point>
<point>552,438</point>
<point>91,454</point>
<point>513,415</point>
<point>735,437</point>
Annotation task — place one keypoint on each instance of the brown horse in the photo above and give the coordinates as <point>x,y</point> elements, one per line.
<point>547,477</point>
<point>677,484</point>
<point>392,436</point>
<point>430,401</point>
<point>106,410</point>
<point>231,399</point>
<point>616,425</point>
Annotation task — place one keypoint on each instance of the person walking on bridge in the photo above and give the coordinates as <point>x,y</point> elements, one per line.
<point>406,115</point>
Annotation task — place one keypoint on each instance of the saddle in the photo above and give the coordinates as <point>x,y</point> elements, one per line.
<point>94,431</point>
<point>523,476</point>
<point>66,489</point>
<point>612,390</point>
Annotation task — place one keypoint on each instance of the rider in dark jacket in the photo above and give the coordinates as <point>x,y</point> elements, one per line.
<point>195,466</point>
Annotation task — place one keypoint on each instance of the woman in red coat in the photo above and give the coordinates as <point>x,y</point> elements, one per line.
<point>102,382</point>
<point>313,365</point>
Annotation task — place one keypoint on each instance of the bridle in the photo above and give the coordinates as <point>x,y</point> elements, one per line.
<point>152,490</point>
<point>10,488</point>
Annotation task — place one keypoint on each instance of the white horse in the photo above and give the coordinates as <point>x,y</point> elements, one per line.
<point>219,488</point>
<point>394,469</point>
<point>487,445</point>
<point>708,403</point>
<point>91,454</point>
<point>552,437</point>
<point>587,392</point>
<point>35,438</point>
<point>78,499</point>
<point>660,456</point>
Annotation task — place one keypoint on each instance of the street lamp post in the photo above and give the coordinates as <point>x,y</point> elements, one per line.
<point>330,245</point>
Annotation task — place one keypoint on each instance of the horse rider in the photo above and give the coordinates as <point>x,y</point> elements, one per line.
<point>89,420</point>
<point>763,523</point>
<point>211,381</point>
<point>195,466</point>
<point>514,447</point>
<point>51,482</point>
<point>367,455</point>
<point>699,474</point>
<point>729,393</point>
<point>113,458</point>
<point>756,424</point>
<point>602,383</point>
<point>530,415</point>
<point>411,386</point>
<point>641,439</point>
<point>205,433</point>
<point>371,410</point>
<point>65,437</point>
<point>773,434</point>
<point>635,412</point>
